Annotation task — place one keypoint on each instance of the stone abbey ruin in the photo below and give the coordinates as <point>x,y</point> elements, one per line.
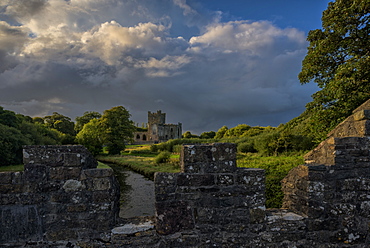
<point>62,200</point>
<point>158,130</point>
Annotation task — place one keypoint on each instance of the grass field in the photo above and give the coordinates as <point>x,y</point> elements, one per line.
<point>140,159</point>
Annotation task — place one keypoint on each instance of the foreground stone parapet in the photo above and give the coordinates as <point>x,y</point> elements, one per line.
<point>332,188</point>
<point>61,195</point>
<point>57,156</point>
<point>215,158</point>
<point>211,198</point>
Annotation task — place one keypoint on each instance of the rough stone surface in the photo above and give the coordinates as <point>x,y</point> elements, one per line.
<point>52,199</point>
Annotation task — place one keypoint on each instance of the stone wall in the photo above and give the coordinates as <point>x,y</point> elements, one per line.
<point>212,202</point>
<point>60,195</point>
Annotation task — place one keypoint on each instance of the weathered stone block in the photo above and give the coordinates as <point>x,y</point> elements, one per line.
<point>101,184</point>
<point>63,173</point>
<point>73,185</point>
<point>63,234</point>
<point>6,177</point>
<point>254,200</point>
<point>11,188</point>
<point>204,215</point>
<point>52,155</point>
<point>225,179</point>
<point>97,173</point>
<point>28,223</point>
<point>35,172</point>
<point>101,196</point>
<point>173,217</point>
<point>195,180</point>
<point>200,158</point>
<point>76,208</point>
<point>165,179</point>
<point>250,177</point>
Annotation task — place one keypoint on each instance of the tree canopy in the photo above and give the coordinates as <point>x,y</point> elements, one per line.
<point>118,128</point>
<point>91,136</point>
<point>87,116</point>
<point>338,62</point>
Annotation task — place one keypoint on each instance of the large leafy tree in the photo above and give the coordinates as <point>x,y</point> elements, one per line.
<point>117,128</point>
<point>87,116</point>
<point>63,124</point>
<point>338,62</point>
<point>60,122</point>
<point>11,142</point>
<point>91,136</point>
<point>8,118</point>
<point>221,132</point>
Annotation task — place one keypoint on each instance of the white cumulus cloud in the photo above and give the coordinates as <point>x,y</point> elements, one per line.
<point>81,55</point>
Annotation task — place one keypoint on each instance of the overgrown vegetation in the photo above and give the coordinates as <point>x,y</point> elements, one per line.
<point>143,161</point>
<point>111,130</point>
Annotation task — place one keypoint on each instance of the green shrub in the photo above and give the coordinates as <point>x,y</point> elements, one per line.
<point>162,157</point>
<point>154,148</point>
<point>177,148</point>
<point>143,151</point>
<point>246,147</point>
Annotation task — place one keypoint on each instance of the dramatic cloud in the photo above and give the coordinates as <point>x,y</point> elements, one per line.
<point>90,55</point>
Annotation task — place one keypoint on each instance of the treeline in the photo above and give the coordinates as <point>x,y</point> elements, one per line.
<point>111,130</point>
<point>266,141</point>
<point>17,130</point>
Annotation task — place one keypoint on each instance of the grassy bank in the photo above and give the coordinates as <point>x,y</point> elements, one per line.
<point>12,168</point>
<point>142,164</point>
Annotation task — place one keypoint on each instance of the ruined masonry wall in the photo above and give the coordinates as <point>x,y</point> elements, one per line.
<point>211,202</point>
<point>60,195</point>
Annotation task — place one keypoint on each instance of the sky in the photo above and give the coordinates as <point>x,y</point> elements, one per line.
<point>205,63</point>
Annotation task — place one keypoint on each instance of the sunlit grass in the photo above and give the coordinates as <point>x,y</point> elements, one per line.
<point>102,166</point>
<point>142,164</point>
<point>12,168</point>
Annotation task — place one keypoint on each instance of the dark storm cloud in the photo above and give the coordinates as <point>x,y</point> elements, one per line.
<point>12,40</point>
<point>76,56</point>
<point>24,8</point>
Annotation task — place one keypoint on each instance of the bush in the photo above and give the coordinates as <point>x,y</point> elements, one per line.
<point>141,152</point>
<point>154,148</point>
<point>11,142</point>
<point>246,147</point>
<point>162,157</point>
<point>177,148</point>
